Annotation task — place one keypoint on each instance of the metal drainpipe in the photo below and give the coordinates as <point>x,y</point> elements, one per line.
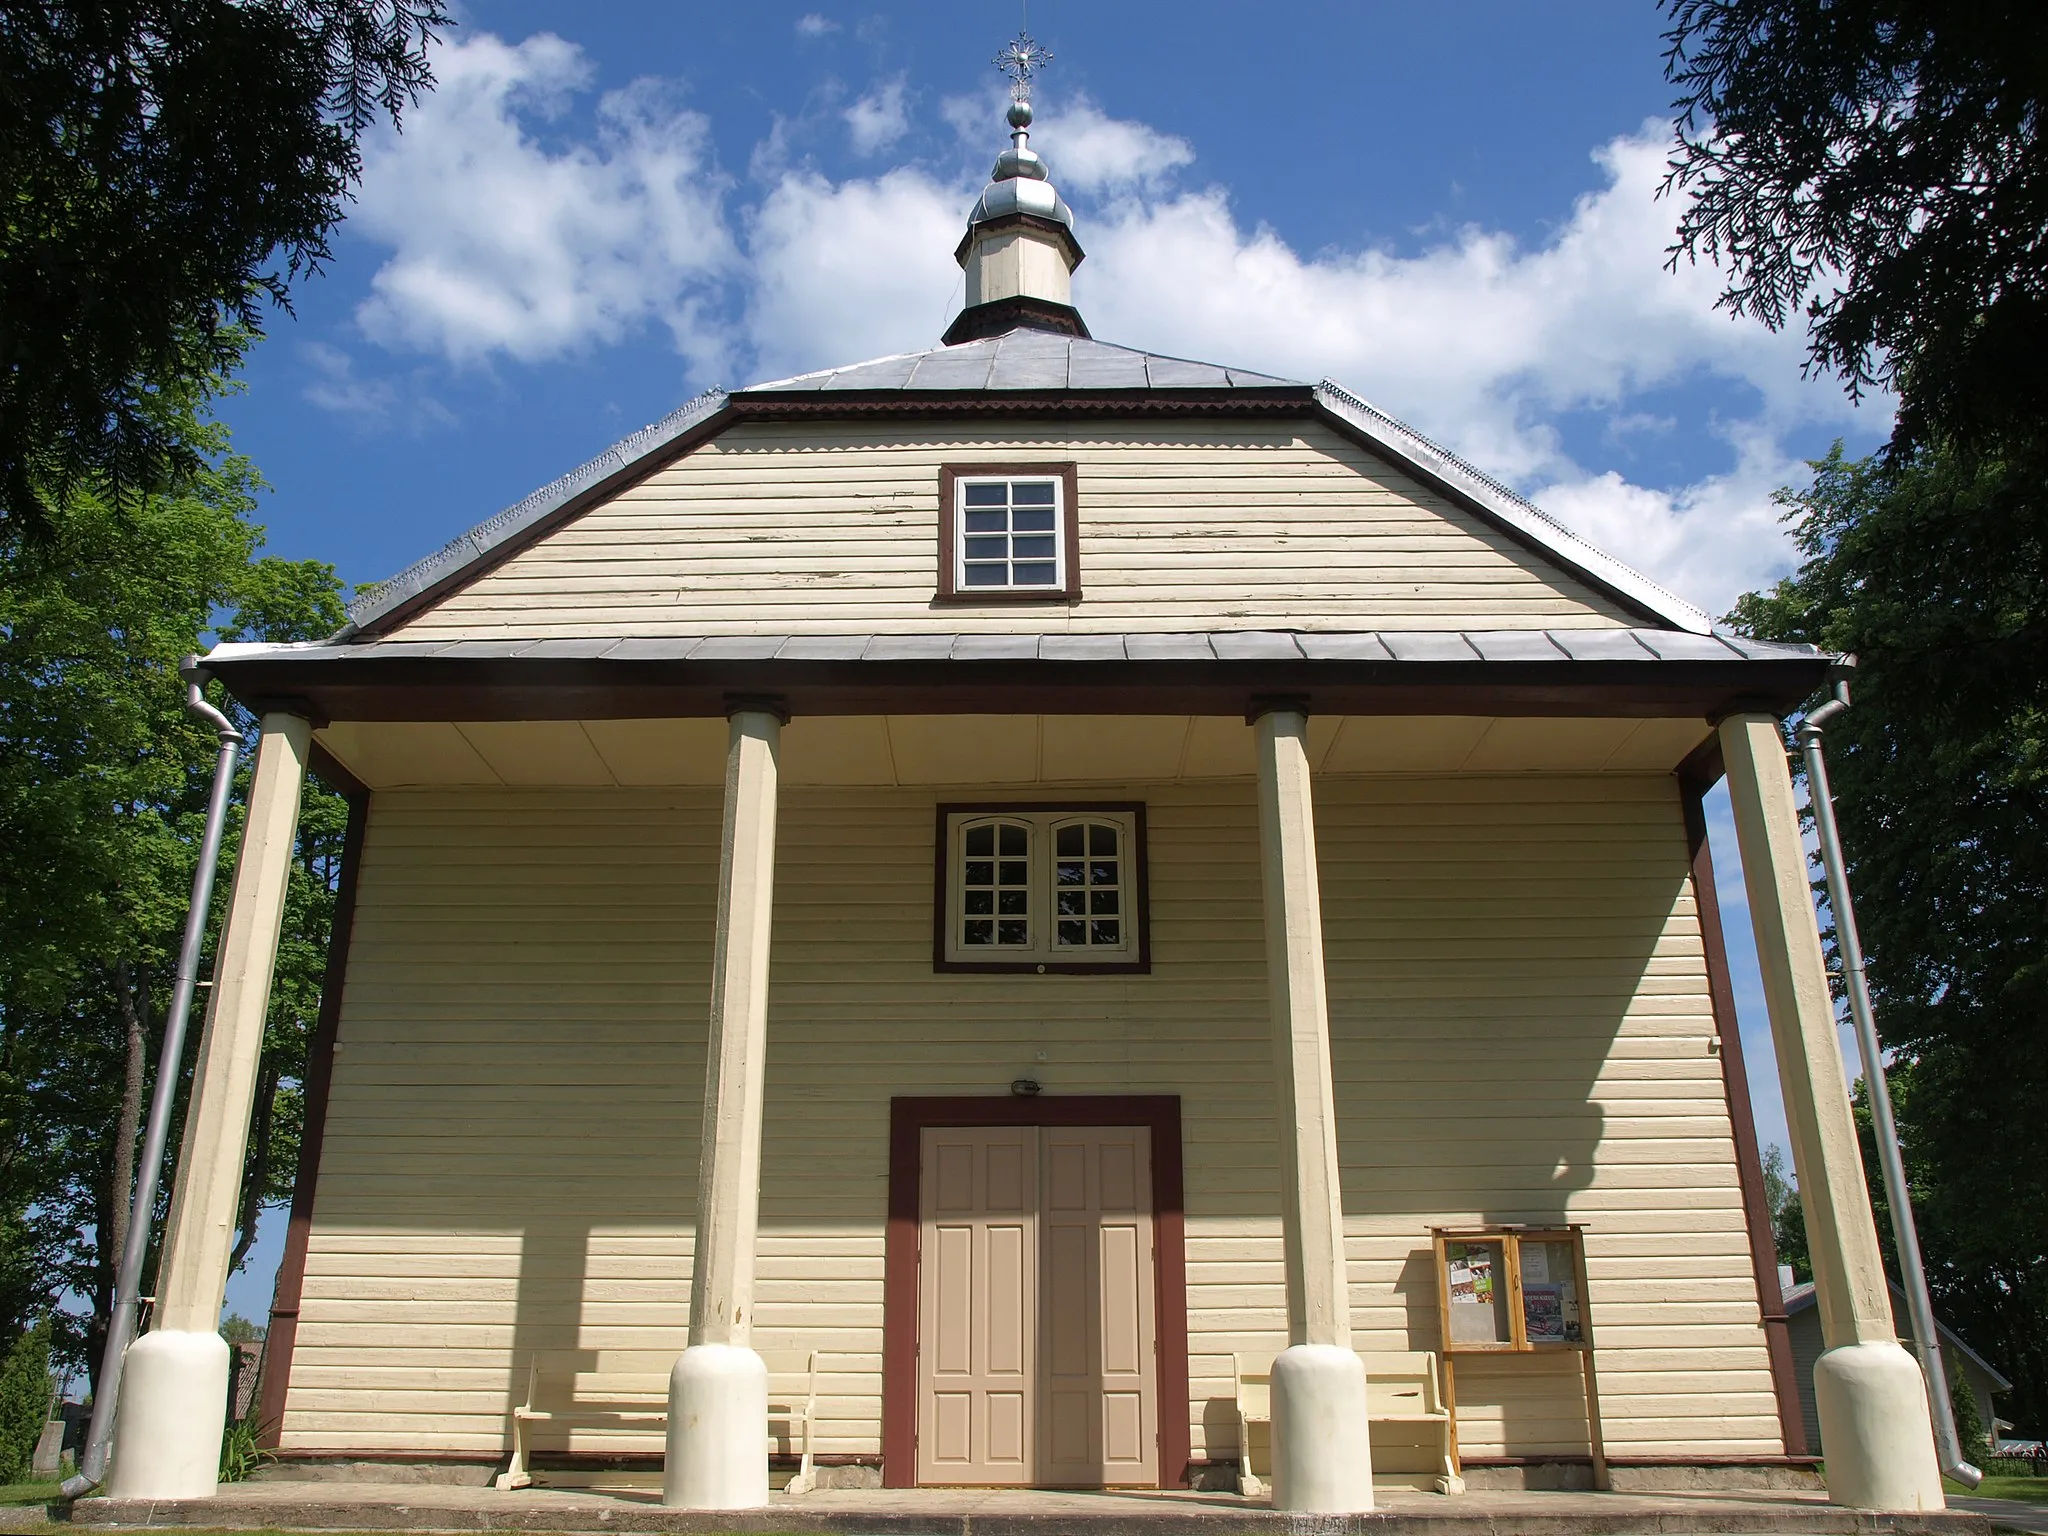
<point>92,1466</point>
<point>1912,1269</point>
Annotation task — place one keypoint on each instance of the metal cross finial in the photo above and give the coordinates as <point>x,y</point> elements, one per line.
<point>1020,60</point>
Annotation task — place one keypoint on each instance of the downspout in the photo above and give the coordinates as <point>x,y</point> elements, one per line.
<point>92,1466</point>
<point>1912,1269</point>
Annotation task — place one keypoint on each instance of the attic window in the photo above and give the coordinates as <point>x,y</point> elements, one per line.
<point>1007,533</point>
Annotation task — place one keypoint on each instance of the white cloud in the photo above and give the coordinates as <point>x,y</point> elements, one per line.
<point>501,244</point>
<point>811,24</point>
<point>878,119</point>
<point>852,270</point>
<point>336,386</point>
<point>1512,354</point>
<point>1090,151</point>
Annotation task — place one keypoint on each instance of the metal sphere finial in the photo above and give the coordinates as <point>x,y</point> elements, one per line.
<point>1019,115</point>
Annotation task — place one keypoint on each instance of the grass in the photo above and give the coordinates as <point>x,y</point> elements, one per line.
<point>2026,1490</point>
<point>27,1493</point>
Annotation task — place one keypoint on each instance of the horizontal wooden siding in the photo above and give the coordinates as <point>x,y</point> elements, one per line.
<point>832,528</point>
<point>1522,1033</point>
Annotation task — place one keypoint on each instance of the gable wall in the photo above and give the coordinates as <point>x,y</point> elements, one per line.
<point>832,528</point>
<point>1521,1024</point>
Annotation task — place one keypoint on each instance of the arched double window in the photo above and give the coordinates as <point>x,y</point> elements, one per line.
<point>1041,888</point>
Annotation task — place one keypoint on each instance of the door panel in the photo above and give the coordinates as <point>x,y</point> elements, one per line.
<point>1099,1419</point>
<point>1036,1360</point>
<point>978,1306</point>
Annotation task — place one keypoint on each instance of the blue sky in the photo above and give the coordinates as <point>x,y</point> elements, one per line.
<point>1450,209</point>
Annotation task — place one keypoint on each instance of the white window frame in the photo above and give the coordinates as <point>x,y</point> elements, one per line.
<point>1061,555</point>
<point>1043,953</point>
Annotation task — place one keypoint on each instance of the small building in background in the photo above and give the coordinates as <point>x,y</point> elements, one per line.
<point>1983,1377</point>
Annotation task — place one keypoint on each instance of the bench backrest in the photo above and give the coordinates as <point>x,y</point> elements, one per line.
<point>1399,1381</point>
<point>1254,1385</point>
<point>597,1379</point>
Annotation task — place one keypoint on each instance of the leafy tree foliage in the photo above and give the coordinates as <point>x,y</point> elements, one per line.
<point>1882,163</point>
<point>1933,568</point>
<point>166,164</point>
<point>1788,1219</point>
<point>103,784</point>
<point>24,1401</point>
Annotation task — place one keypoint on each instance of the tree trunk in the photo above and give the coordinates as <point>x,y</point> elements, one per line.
<point>134,1016</point>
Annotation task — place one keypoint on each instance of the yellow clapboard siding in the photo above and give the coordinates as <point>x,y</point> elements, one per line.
<point>1521,1032</point>
<point>834,528</point>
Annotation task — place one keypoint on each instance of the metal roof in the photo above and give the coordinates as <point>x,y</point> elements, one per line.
<point>1420,647</point>
<point>1027,359</point>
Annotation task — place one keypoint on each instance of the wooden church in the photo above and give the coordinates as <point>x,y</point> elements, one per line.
<point>1029,913</point>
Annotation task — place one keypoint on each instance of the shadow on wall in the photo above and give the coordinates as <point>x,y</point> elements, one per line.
<point>1490,953</point>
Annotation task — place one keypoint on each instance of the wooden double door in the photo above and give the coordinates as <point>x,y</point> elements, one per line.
<point>1036,1334</point>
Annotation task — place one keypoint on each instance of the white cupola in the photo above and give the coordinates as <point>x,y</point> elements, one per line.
<point>1019,252</point>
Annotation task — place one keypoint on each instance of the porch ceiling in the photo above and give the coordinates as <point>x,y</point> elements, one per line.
<point>989,750</point>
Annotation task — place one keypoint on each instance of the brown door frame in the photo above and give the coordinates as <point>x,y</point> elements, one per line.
<point>908,1120</point>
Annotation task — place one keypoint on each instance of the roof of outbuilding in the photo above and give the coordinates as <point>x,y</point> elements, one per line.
<point>1027,359</point>
<point>1800,1297</point>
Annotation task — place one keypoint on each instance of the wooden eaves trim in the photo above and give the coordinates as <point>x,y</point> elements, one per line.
<point>435,688</point>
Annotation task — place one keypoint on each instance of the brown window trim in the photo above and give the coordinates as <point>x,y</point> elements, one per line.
<point>942,875</point>
<point>1070,533</point>
<point>908,1118</point>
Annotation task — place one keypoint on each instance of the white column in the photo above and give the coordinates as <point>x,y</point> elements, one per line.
<point>174,1381</point>
<point>1322,1457</point>
<point>718,1392</point>
<point>1868,1390</point>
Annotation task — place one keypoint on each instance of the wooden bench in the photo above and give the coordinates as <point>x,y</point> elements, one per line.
<point>1402,1391</point>
<point>624,1390</point>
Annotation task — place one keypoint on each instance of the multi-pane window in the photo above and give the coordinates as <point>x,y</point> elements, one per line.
<point>1009,534</point>
<point>1087,879</point>
<point>995,886</point>
<point>1042,887</point>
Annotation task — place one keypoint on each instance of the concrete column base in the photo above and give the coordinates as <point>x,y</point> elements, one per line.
<point>717,1430</point>
<point>1872,1401</point>
<point>169,1417</point>
<point>1322,1449</point>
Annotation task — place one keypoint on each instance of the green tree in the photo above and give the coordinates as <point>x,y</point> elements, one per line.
<point>166,164</point>
<point>1788,1217</point>
<point>102,795</point>
<point>24,1402</point>
<point>1877,168</point>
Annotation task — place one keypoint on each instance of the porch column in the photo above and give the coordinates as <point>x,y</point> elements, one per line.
<point>172,1406</point>
<point>1868,1390</point>
<point>1322,1457</point>
<point>718,1391</point>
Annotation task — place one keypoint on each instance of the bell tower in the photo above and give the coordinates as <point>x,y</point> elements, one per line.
<point>1019,252</point>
